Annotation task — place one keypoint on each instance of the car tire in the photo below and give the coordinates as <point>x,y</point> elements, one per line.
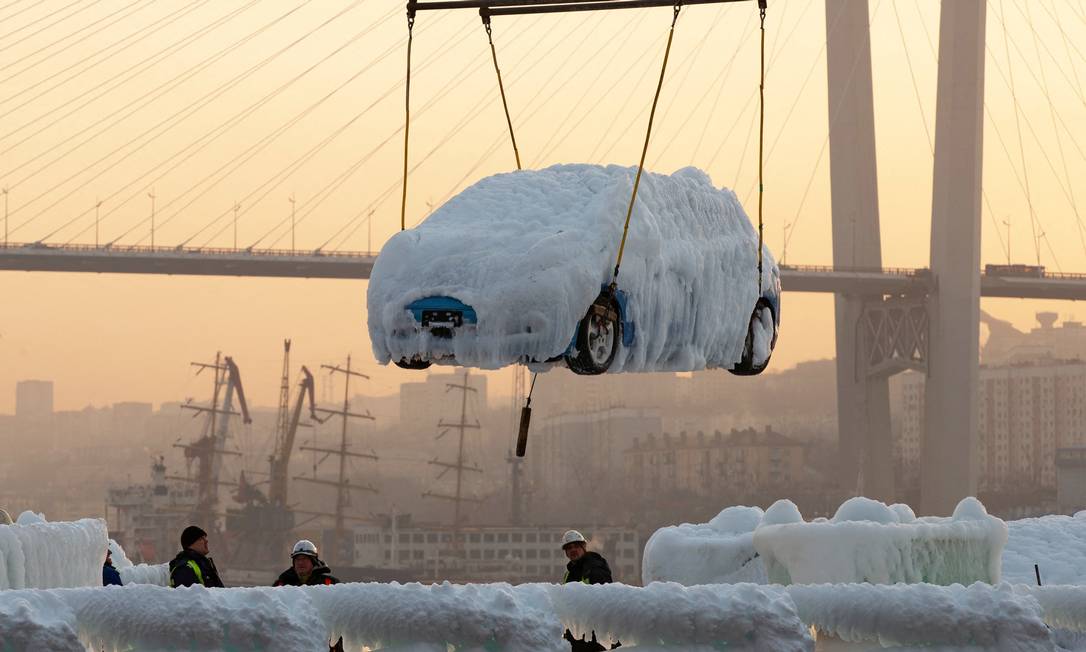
<point>746,365</point>
<point>414,364</point>
<point>598,338</point>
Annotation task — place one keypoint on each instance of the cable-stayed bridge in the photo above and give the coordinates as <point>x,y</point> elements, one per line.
<point>119,124</point>
<point>357,265</point>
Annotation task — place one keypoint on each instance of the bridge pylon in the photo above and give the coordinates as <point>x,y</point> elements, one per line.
<point>948,460</point>
<point>863,399</point>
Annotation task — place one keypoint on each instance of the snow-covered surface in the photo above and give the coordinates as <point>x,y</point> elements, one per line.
<point>470,617</point>
<point>979,616</point>
<point>416,618</point>
<point>158,574</point>
<point>1057,544</point>
<point>736,616</point>
<point>718,552</point>
<point>530,250</point>
<point>37,554</point>
<point>867,542</point>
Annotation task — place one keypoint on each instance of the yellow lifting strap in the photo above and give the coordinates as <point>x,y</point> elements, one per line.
<point>761,140</point>
<point>407,119</point>
<point>645,149</point>
<point>494,54</point>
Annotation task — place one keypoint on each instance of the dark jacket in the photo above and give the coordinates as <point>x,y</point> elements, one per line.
<point>591,568</point>
<point>110,575</point>
<point>182,572</point>
<point>321,575</point>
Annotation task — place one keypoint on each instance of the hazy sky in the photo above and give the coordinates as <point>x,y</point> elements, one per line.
<point>111,101</point>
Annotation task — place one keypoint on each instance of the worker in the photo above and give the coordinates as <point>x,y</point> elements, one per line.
<point>586,568</point>
<point>306,568</point>
<point>110,576</point>
<point>192,565</point>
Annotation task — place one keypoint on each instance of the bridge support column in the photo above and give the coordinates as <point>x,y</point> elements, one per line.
<point>948,460</point>
<point>863,403</point>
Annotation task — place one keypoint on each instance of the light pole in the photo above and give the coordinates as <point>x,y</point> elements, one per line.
<point>152,196</point>
<point>784,244</point>
<point>5,191</point>
<point>97,205</point>
<point>1039,237</point>
<point>1007,223</point>
<point>236,207</point>
<point>369,231</point>
<point>291,200</point>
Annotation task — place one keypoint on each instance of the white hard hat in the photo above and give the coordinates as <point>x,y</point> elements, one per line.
<point>572,536</point>
<point>304,547</point>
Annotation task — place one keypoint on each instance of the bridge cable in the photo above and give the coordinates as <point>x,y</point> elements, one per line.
<point>645,148</point>
<point>252,150</point>
<point>1018,127</point>
<point>71,34</point>
<point>485,14</point>
<point>325,192</point>
<point>104,89</point>
<point>496,143</point>
<point>190,109</point>
<point>407,115</point>
<point>45,17</point>
<point>311,204</point>
<point>1052,115</point>
<point>550,145</point>
<point>833,114</point>
<point>469,116</point>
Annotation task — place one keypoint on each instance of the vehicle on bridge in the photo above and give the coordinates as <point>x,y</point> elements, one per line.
<point>518,269</point>
<point>1032,271</point>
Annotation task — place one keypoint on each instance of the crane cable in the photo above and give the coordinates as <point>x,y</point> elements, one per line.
<point>494,54</point>
<point>761,140</point>
<point>407,118</point>
<point>644,149</point>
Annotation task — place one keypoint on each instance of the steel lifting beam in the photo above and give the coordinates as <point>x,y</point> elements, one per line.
<point>517,7</point>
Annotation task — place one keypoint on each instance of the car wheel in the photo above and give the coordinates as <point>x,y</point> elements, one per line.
<point>598,338</point>
<point>760,341</point>
<point>414,364</point>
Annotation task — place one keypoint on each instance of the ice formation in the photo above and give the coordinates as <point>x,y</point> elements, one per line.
<point>718,552</point>
<point>403,618</point>
<point>1057,544</point>
<point>37,554</point>
<point>530,250</point>
<point>721,616</point>
<point>867,542</point>
<point>976,617</point>
<point>470,617</point>
<point>158,574</point>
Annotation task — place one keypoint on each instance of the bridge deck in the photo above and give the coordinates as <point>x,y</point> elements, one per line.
<point>358,265</point>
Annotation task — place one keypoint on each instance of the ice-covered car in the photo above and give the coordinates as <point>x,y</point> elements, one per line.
<point>517,268</point>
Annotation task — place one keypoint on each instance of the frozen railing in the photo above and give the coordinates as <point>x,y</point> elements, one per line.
<point>39,555</point>
<point>532,617</point>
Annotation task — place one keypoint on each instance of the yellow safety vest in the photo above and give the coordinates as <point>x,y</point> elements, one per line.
<point>199,574</point>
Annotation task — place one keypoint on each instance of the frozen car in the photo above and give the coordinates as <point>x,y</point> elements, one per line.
<point>516,269</point>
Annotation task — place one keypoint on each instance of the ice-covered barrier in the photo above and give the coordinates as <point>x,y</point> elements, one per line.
<point>402,618</point>
<point>868,541</point>
<point>977,617</point>
<point>718,552</point>
<point>470,617</point>
<point>1057,544</point>
<point>157,574</point>
<point>37,554</point>
<point>733,617</point>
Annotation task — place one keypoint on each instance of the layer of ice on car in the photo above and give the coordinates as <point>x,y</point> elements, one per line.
<point>530,250</point>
